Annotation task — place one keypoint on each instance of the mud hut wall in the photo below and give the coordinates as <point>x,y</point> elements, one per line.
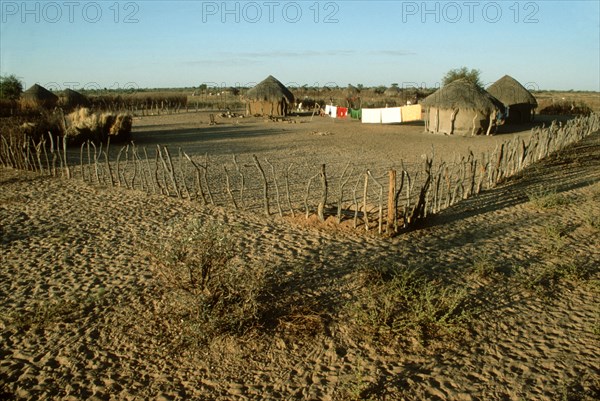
<point>268,108</point>
<point>440,121</point>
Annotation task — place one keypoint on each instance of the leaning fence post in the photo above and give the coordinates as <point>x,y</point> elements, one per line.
<point>265,185</point>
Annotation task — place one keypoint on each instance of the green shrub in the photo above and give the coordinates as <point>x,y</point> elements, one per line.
<point>402,301</point>
<point>545,198</point>
<point>207,290</point>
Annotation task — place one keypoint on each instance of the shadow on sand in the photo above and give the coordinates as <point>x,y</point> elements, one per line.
<point>575,167</point>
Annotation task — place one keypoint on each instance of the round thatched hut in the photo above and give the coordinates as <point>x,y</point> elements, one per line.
<point>38,96</point>
<point>71,99</point>
<point>392,91</point>
<point>461,108</point>
<point>269,98</point>
<point>519,102</point>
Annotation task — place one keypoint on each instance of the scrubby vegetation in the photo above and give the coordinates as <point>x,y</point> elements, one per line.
<point>566,108</point>
<point>402,302</point>
<point>206,289</point>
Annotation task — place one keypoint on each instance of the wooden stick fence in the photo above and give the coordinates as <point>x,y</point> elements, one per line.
<point>410,196</point>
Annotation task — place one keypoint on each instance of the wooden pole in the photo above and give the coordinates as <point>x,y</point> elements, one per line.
<point>321,207</point>
<point>391,207</point>
<point>265,186</point>
<point>365,194</point>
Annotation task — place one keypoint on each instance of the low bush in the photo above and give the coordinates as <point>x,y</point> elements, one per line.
<point>208,291</point>
<point>564,108</point>
<point>546,198</point>
<point>401,301</point>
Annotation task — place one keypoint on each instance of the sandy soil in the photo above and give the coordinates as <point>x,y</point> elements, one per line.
<point>76,278</point>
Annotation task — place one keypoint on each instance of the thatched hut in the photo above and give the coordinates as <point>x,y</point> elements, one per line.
<point>461,108</point>
<point>71,99</point>
<point>38,96</point>
<point>392,91</point>
<point>269,98</point>
<point>519,102</point>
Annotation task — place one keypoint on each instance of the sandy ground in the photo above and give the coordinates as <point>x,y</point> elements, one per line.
<point>76,278</point>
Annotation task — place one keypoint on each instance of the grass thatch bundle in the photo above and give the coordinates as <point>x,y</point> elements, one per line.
<point>83,125</point>
<point>509,91</point>
<point>463,94</point>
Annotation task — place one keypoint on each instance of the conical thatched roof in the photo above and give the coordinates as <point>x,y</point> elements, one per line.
<point>463,94</point>
<point>270,89</point>
<point>73,98</point>
<point>392,91</point>
<point>509,91</point>
<point>39,93</point>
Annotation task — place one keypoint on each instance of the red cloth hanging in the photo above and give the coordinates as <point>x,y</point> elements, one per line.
<point>342,112</point>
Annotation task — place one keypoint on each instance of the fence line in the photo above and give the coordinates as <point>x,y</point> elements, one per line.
<point>390,202</point>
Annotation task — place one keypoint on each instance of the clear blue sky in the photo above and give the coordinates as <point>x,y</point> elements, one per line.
<point>150,44</point>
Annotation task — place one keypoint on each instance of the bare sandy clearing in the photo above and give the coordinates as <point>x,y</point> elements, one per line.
<point>342,140</point>
<point>75,283</point>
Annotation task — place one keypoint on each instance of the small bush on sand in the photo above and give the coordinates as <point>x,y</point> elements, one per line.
<point>207,290</point>
<point>545,198</point>
<point>402,301</point>
<point>44,314</point>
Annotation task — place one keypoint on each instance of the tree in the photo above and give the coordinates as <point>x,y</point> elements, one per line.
<point>463,72</point>
<point>10,87</point>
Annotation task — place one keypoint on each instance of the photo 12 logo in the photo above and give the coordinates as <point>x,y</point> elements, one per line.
<point>127,87</point>
<point>470,11</point>
<point>253,12</point>
<point>54,12</point>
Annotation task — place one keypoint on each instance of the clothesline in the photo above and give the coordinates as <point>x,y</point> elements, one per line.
<point>387,115</point>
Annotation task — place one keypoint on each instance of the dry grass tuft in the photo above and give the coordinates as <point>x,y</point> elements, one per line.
<point>83,125</point>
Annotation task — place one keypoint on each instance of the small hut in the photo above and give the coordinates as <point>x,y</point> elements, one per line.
<point>519,102</point>
<point>392,91</point>
<point>269,98</point>
<point>461,108</point>
<point>71,99</point>
<point>38,96</point>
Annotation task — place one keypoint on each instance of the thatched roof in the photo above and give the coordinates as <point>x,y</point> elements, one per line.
<point>463,94</point>
<point>74,98</point>
<point>392,91</point>
<point>270,89</point>
<point>509,91</point>
<point>37,92</point>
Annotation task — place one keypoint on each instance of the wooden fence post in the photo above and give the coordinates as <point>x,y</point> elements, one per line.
<point>265,186</point>
<point>391,207</point>
<point>321,206</point>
